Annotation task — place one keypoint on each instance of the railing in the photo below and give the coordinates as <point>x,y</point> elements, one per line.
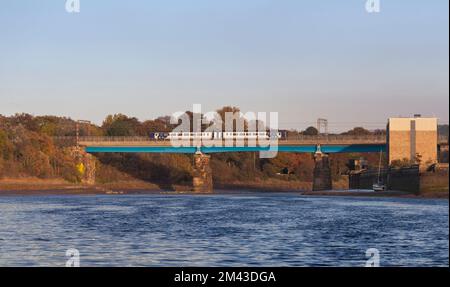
<point>118,139</point>
<point>290,137</point>
<point>334,138</point>
<point>374,139</point>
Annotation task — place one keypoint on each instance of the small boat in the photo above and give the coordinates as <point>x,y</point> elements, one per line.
<point>379,186</point>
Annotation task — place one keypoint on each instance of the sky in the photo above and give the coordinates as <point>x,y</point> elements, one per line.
<point>305,59</point>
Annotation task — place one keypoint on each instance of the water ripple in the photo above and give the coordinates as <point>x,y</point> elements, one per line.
<point>222,230</point>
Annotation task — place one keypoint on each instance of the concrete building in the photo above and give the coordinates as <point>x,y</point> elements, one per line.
<point>413,139</point>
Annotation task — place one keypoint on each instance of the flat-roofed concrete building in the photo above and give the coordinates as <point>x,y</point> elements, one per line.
<point>413,138</point>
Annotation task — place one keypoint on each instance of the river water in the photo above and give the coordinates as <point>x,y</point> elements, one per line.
<point>258,229</point>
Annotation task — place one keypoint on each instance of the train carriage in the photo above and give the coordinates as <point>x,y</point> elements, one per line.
<point>214,135</point>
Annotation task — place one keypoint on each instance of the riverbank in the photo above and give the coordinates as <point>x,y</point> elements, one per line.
<point>42,187</point>
<point>369,193</point>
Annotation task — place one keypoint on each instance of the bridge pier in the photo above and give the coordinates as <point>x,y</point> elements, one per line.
<point>202,177</point>
<point>85,165</point>
<point>89,173</point>
<point>322,172</point>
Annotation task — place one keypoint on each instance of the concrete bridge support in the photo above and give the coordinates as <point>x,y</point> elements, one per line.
<point>202,178</point>
<point>88,161</point>
<point>85,165</point>
<point>322,172</point>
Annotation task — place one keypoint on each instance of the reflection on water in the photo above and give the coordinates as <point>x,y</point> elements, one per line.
<point>222,230</point>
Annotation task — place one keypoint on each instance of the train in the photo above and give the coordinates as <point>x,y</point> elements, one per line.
<point>215,135</point>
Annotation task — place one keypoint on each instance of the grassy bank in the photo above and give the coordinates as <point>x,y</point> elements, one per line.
<point>36,186</point>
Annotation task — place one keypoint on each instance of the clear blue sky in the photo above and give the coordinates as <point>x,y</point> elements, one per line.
<point>303,59</point>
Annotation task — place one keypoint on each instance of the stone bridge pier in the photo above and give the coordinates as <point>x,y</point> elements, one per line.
<point>202,181</point>
<point>89,172</point>
<point>85,165</point>
<point>322,172</point>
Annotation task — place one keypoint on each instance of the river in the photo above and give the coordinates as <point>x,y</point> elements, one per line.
<point>255,229</point>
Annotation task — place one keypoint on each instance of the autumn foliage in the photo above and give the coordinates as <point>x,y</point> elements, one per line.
<point>31,146</point>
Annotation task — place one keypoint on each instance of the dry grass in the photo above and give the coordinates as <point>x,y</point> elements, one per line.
<point>33,183</point>
<point>130,184</point>
<point>268,185</point>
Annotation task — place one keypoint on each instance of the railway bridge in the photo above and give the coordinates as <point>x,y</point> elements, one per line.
<point>396,143</point>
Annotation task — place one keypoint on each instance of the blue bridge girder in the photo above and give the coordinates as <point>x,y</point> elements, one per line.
<point>351,148</point>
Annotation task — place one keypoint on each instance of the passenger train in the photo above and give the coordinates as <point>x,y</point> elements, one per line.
<point>214,135</point>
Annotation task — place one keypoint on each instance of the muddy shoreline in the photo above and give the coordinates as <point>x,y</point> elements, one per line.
<point>70,190</point>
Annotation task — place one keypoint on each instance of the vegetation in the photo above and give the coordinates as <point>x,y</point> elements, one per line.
<point>26,149</point>
<point>443,130</point>
<point>30,147</point>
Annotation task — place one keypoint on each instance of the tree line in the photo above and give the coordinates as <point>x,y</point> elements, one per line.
<point>28,148</point>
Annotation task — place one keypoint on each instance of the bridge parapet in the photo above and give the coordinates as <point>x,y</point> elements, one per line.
<point>291,140</point>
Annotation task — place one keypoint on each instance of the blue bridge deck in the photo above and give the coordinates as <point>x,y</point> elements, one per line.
<point>352,148</point>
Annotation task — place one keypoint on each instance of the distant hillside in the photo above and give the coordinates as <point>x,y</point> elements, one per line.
<point>443,130</point>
